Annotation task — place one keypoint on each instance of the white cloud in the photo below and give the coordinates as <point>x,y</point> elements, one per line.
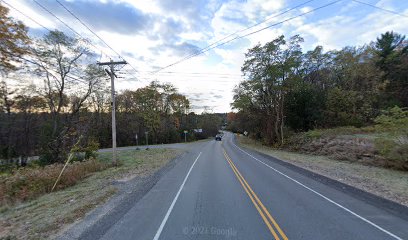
<point>189,23</point>
<point>340,31</point>
<point>39,17</point>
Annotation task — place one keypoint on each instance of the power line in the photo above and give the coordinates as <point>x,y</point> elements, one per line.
<point>45,9</point>
<point>25,15</point>
<point>194,73</point>
<point>289,19</point>
<point>69,27</point>
<point>244,29</point>
<point>48,71</point>
<point>33,62</point>
<point>78,34</point>
<point>380,8</point>
<point>188,76</point>
<point>70,12</point>
<point>245,35</point>
<point>94,33</point>
<point>30,61</point>
<point>195,80</point>
<point>202,76</point>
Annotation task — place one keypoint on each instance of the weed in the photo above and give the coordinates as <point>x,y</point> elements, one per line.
<point>45,215</point>
<point>31,182</point>
<point>395,152</point>
<point>313,134</point>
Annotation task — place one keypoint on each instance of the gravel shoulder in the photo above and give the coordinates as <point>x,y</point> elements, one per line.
<point>49,215</point>
<point>387,183</point>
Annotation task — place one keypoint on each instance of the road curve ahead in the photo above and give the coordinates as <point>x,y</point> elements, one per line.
<point>221,191</point>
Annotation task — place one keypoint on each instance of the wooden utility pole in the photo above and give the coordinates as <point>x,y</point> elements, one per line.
<point>112,75</point>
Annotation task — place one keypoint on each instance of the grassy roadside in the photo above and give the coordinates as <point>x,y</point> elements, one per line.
<point>46,215</point>
<point>387,183</point>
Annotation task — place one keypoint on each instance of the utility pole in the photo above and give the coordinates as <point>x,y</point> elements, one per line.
<point>112,75</point>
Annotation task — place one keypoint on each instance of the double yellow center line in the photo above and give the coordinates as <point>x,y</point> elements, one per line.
<point>266,216</point>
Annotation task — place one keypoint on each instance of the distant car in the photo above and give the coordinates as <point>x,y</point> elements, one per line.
<point>218,137</point>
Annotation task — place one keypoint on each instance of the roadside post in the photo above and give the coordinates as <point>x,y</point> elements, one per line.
<point>137,142</point>
<point>147,138</point>
<point>185,135</point>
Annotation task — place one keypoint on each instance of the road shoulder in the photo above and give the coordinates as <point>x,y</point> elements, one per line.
<point>98,221</point>
<point>335,176</point>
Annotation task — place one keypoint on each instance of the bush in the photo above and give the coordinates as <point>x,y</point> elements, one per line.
<point>6,168</point>
<point>28,183</point>
<point>394,119</point>
<point>313,134</point>
<point>395,152</point>
<point>86,152</point>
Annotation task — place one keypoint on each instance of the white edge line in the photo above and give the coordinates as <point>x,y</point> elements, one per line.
<point>326,198</point>
<point>159,231</point>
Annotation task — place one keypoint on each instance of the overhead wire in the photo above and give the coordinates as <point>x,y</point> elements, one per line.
<point>247,28</point>
<point>49,72</point>
<point>103,41</point>
<point>69,27</point>
<point>288,19</point>
<point>41,25</point>
<point>33,62</point>
<point>15,9</point>
<point>65,24</point>
<point>213,45</point>
<point>269,26</point>
<point>191,76</point>
<point>380,8</point>
<point>245,35</point>
<point>93,32</point>
<point>196,73</point>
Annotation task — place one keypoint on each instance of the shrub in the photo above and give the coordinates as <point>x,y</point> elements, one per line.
<point>313,134</point>
<point>395,153</point>
<point>394,119</point>
<point>85,152</point>
<point>399,156</point>
<point>6,168</point>
<point>28,183</point>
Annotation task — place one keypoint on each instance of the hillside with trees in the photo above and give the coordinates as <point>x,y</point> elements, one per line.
<point>288,91</point>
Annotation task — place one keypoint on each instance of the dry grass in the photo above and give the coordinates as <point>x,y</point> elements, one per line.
<point>30,182</point>
<point>44,216</point>
<point>387,183</point>
<point>385,148</point>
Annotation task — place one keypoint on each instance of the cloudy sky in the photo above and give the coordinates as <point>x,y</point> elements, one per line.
<point>151,34</point>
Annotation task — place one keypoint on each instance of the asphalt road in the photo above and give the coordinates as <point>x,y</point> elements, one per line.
<point>220,191</point>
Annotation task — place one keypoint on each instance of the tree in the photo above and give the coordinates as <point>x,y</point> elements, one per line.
<point>210,124</point>
<point>392,53</point>
<point>387,45</point>
<point>62,61</point>
<point>157,108</point>
<point>271,70</point>
<point>304,107</point>
<point>13,41</point>
<point>302,91</point>
<point>29,106</point>
<point>6,104</point>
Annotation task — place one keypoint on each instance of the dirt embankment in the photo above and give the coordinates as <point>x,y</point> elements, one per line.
<point>367,149</point>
